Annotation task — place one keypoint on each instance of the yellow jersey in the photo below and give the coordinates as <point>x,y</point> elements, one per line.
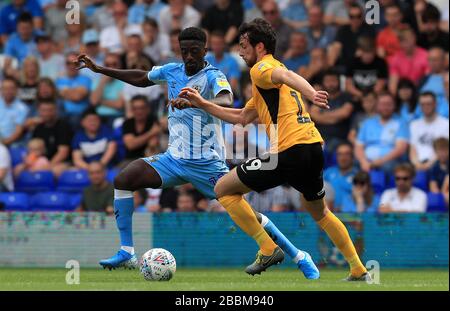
<point>280,108</point>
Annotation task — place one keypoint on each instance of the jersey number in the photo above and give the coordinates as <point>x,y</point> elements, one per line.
<point>300,108</point>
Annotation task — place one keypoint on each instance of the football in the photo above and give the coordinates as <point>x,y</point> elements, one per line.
<point>158,264</point>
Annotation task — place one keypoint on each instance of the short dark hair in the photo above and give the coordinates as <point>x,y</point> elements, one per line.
<point>193,34</point>
<point>431,14</point>
<point>440,143</point>
<point>89,111</point>
<point>139,97</point>
<point>25,17</point>
<point>330,72</point>
<point>217,33</point>
<point>259,30</point>
<point>428,93</point>
<point>48,101</point>
<point>151,21</point>
<point>406,167</point>
<point>12,79</point>
<point>345,143</point>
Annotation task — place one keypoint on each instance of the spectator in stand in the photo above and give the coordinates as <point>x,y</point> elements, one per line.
<point>73,89</point>
<point>369,104</point>
<point>102,17</point>
<point>35,159</point>
<point>283,31</point>
<point>336,12</point>
<point>29,79</point>
<point>74,35</point>
<point>297,54</point>
<point>21,43</point>
<point>55,21</point>
<point>178,15</point>
<point>134,56</point>
<point>436,81</point>
<point>6,178</point>
<point>186,203</point>
<point>342,50</point>
<point>94,142</point>
<point>367,71</point>
<point>319,35</point>
<point>106,93</point>
<point>439,170</point>
<point>46,90</point>
<point>410,62</point>
<point>9,16</point>
<point>51,64</point>
<point>140,129</point>
<point>404,198</point>
<point>56,134</point>
<point>141,10</point>
<point>341,175</point>
<point>425,131</point>
<point>431,35</point>
<point>13,113</point>
<point>314,71</point>
<point>99,196</point>
<point>407,100</point>
<point>254,12</point>
<point>333,123</point>
<point>225,16</point>
<point>382,140</point>
<point>362,198</point>
<point>156,44</point>
<point>387,38</point>
<point>445,190</point>
<point>91,47</point>
<point>224,61</point>
<point>296,13</point>
<point>175,50</point>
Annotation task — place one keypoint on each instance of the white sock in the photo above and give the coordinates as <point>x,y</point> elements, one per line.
<point>264,220</point>
<point>300,256</point>
<point>128,249</point>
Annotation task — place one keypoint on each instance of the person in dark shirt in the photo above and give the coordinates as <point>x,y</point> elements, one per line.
<point>334,123</point>
<point>56,133</point>
<point>138,131</point>
<point>99,196</point>
<point>344,47</point>
<point>439,170</point>
<point>367,72</point>
<point>431,35</point>
<point>226,16</point>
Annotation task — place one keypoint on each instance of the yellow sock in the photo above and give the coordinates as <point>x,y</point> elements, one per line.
<point>242,214</point>
<point>340,237</point>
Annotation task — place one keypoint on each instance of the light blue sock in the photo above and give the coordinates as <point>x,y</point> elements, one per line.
<point>123,209</point>
<point>279,237</point>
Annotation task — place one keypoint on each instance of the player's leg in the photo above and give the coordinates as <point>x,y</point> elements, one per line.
<point>229,191</point>
<point>310,183</point>
<point>136,175</point>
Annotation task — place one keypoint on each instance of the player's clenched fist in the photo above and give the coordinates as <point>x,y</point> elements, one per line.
<point>321,99</point>
<point>85,61</point>
<point>180,103</point>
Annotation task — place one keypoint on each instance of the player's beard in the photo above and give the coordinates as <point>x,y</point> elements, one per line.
<point>251,61</point>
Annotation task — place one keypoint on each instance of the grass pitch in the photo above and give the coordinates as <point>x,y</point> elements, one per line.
<point>221,280</point>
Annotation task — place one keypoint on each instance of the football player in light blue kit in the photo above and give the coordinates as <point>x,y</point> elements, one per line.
<point>196,151</point>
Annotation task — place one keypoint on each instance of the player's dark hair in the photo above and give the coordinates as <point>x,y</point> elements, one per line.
<point>431,14</point>
<point>259,30</point>
<point>192,34</point>
<point>25,17</point>
<point>428,93</point>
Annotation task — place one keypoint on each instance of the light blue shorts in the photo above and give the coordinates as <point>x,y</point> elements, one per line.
<point>202,174</point>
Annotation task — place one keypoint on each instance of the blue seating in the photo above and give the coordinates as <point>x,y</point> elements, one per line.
<point>33,182</point>
<point>73,181</point>
<point>121,149</point>
<point>378,179</point>
<point>421,180</point>
<point>51,201</point>
<point>75,201</point>
<point>15,201</point>
<point>17,155</point>
<point>111,174</point>
<point>436,202</point>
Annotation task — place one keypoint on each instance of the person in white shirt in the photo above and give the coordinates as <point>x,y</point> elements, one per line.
<point>426,130</point>
<point>404,198</point>
<point>6,179</point>
<point>178,15</point>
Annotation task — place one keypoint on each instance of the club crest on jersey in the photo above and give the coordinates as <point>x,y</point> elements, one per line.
<point>153,159</point>
<point>197,87</point>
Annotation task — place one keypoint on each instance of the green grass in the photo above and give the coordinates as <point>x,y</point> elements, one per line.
<point>219,280</point>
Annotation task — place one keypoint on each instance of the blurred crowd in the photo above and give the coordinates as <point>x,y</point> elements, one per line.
<point>386,134</point>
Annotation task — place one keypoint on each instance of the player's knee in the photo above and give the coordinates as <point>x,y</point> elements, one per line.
<point>123,182</point>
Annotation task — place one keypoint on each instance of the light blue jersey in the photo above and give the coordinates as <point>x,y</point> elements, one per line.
<point>193,133</point>
<point>196,151</point>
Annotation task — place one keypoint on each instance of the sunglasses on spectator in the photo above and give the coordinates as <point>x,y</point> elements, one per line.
<point>355,16</point>
<point>359,182</point>
<point>403,178</point>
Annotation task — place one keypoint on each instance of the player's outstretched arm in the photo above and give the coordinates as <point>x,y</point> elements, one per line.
<point>230,115</point>
<point>133,77</point>
<point>298,83</point>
